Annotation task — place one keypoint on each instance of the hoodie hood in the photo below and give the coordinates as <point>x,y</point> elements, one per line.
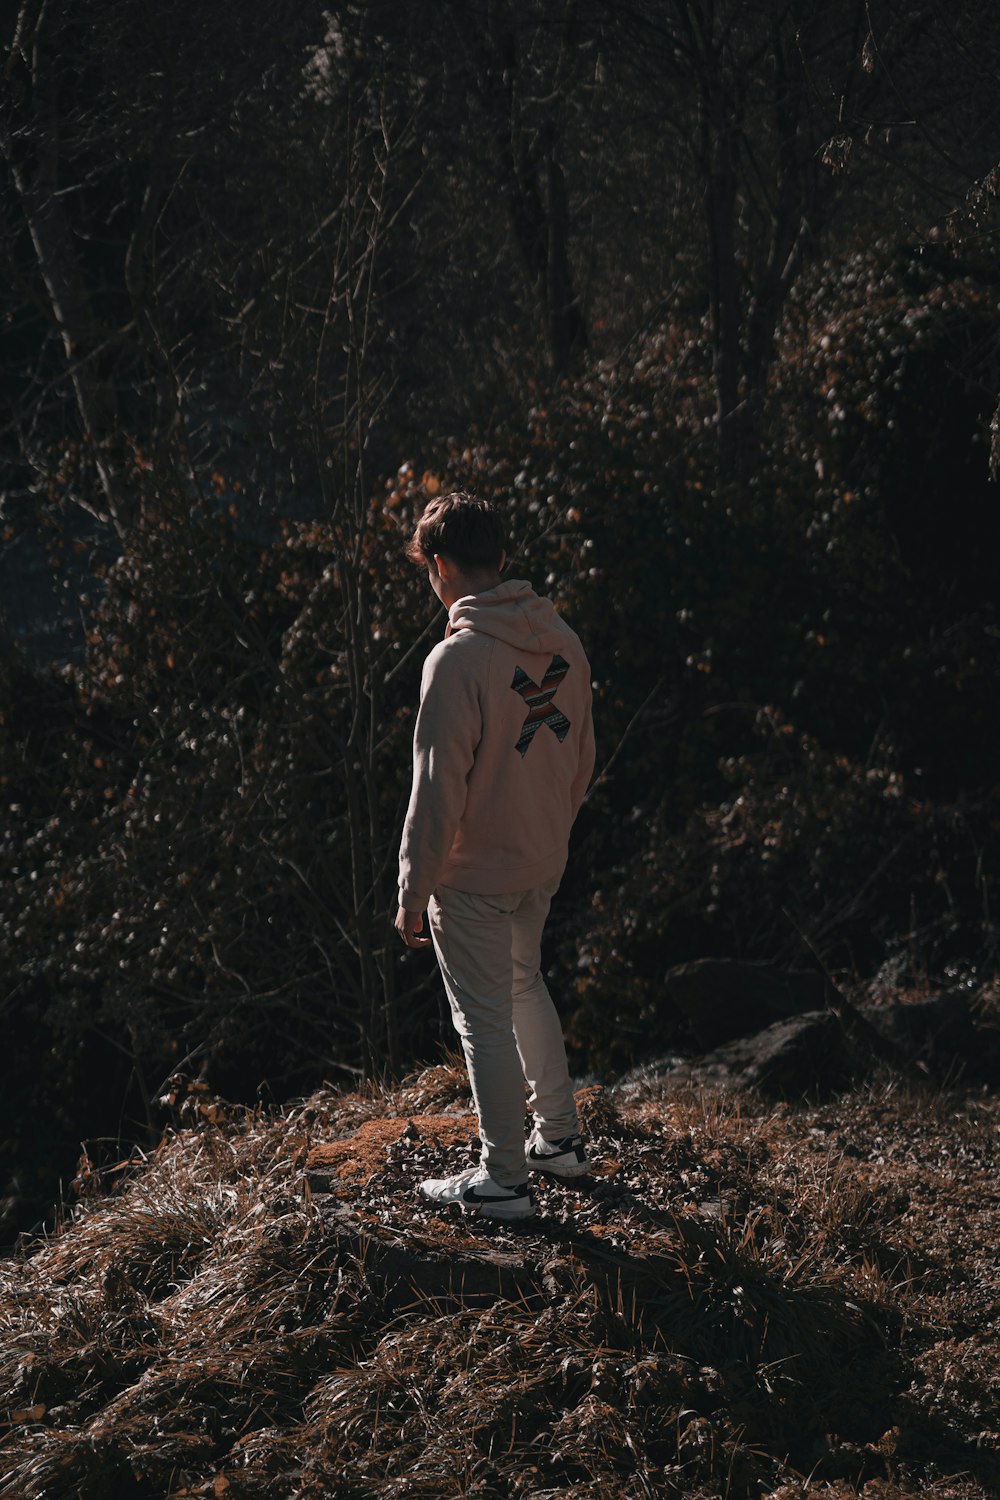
<point>512,613</point>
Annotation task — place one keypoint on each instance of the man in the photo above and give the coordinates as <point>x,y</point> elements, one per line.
<point>503,751</point>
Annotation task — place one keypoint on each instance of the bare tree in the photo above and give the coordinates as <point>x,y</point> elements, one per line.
<point>226,348</point>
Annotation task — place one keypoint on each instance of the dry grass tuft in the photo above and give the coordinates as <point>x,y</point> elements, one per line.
<point>742,1301</point>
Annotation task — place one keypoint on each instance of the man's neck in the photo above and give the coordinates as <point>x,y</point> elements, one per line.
<point>464,585</point>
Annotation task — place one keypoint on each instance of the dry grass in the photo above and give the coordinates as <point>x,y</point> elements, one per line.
<point>743,1301</point>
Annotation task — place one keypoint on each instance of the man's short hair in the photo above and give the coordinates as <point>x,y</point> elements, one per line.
<point>463,527</point>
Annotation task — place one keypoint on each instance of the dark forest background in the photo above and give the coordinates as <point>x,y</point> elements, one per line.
<point>702,292</point>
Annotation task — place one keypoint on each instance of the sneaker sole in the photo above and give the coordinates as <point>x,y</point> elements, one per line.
<point>488,1211</point>
<point>484,1210</point>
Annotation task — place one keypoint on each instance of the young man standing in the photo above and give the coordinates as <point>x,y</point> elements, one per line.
<point>503,752</point>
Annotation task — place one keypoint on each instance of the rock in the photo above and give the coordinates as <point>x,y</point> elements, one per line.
<point>815,1053</point>
<point>722,999</point>
<point>822,1050</point>
<point>942,1034</point>
<point>805,1054</point>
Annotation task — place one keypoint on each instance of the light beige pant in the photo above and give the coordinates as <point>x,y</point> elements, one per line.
<point>489,952</point>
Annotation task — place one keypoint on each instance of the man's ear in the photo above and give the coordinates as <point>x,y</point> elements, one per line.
<point>445,567</point>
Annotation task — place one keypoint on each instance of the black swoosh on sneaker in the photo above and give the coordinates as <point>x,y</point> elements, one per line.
<point>535,1155</point>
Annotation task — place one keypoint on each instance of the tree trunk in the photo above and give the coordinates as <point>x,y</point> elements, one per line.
<point>533,181</point>
<point>724,280</point>
<point>30,149</point>
<point>567,330</point>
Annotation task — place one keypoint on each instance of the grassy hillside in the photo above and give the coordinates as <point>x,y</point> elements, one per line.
<point>745,1299</point>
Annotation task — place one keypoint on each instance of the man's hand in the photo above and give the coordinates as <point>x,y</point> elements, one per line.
<point>409,925</point>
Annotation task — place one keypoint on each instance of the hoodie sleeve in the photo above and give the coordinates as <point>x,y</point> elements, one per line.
<point>447,732</point>
<point>585,768</point>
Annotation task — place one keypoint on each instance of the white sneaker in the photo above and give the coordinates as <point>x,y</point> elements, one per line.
<point>565,1158</point>
<point>475,1191</point>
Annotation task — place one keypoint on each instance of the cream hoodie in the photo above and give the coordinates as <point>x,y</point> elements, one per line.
<point>503,749</point>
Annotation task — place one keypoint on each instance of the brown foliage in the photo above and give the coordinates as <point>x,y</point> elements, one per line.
<point>740,1296</point>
